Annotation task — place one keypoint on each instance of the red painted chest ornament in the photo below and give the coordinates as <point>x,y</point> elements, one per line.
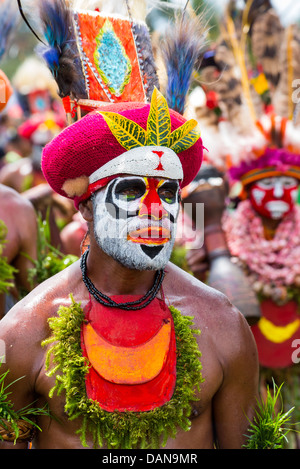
<point>132,356</point>
<point>275,344</point>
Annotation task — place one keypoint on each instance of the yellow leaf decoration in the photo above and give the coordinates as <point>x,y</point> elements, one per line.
<point>131,135</point>
<point>184,137</point>
<point>159,121</point>
<point>128,133</point>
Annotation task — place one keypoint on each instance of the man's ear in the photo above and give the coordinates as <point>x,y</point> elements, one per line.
<point>86,210</point>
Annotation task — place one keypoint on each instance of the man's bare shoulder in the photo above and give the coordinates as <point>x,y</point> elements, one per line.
<point>12,200</point>
<point>30,315</point>
<point>189,290</point>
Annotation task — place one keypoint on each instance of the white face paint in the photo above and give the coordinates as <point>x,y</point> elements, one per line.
<point>258,195</point>
<point>274,197</point>
<point>135,220</point>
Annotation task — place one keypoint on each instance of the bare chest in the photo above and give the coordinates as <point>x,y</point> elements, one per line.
<point>61,432</point>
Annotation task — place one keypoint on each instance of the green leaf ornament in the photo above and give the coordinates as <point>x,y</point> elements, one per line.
<point>184,137</point>
<point>128,133</point>
<point>159,121</point>
<point>131,135</point>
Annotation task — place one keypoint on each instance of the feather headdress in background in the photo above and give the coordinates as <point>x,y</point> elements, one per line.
<point>252,69</point>
<point>266,39</point>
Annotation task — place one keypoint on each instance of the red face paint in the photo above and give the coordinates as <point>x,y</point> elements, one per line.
<point>274,197</point>
<point>151,204</point>
<point>151,207</point>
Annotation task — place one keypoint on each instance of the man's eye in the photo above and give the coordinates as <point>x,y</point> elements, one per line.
<point>265,185</point>
<point>289,182</point>
<point>130,194</point>
<point>167,195</point>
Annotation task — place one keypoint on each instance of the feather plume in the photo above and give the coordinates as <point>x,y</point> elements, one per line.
<point>60,51</point>
<point>289,63</point>
<point>8,20</point>
<point>221,75</point>
<point>182,47</point>
<point>149,69</point>
<point>266,39</point>
<point>255,9</point>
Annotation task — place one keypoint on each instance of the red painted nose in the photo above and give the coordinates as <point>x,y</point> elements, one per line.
<point>151,206</point>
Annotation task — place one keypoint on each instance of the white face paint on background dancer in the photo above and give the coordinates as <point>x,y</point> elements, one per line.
<point>135,220</point>
<point>274,197</point>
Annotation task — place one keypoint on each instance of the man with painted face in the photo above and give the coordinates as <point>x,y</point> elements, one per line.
<point>129,369</point>
<point>263,235</point>
<point>274,197</point>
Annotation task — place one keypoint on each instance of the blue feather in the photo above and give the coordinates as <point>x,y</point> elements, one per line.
<point>182,48</point>
<point>60,51</point>
<point>51,56</point>
<point>56,18</point>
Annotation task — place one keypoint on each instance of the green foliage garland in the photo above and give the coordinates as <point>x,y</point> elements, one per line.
<point>124,430</point>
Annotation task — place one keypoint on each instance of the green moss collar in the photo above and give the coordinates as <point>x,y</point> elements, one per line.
<point>124,430</point>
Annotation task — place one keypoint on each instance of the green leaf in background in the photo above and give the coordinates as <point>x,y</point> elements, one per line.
<point>9,417</point>
<point>49,260</point>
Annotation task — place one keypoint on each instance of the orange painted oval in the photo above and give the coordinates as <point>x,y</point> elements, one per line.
<point>127,365</point>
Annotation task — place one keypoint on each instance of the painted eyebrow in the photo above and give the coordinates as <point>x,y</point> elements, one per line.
<point>170,184</point>
<point>124,184</point>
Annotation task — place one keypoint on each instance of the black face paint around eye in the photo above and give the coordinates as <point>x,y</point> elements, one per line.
<point>130,189</point>
<point>117,187</point>
<point>169,192</point>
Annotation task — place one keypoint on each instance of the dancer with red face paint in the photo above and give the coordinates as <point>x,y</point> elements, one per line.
<point>263,234</point>
<point>274,197</point>
<point>114,350</point>
<point>259,131</point>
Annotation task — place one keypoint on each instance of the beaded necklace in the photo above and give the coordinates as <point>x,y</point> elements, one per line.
<point>130,305</point>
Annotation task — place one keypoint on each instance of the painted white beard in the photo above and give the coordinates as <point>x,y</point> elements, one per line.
<point>277,208</point>
<point>111,236</point>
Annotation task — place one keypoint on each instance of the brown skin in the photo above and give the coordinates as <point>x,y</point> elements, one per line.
<point>17,175</point>
<point>20,219</point>
<point>229,357</point>
<point>72,236</point>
